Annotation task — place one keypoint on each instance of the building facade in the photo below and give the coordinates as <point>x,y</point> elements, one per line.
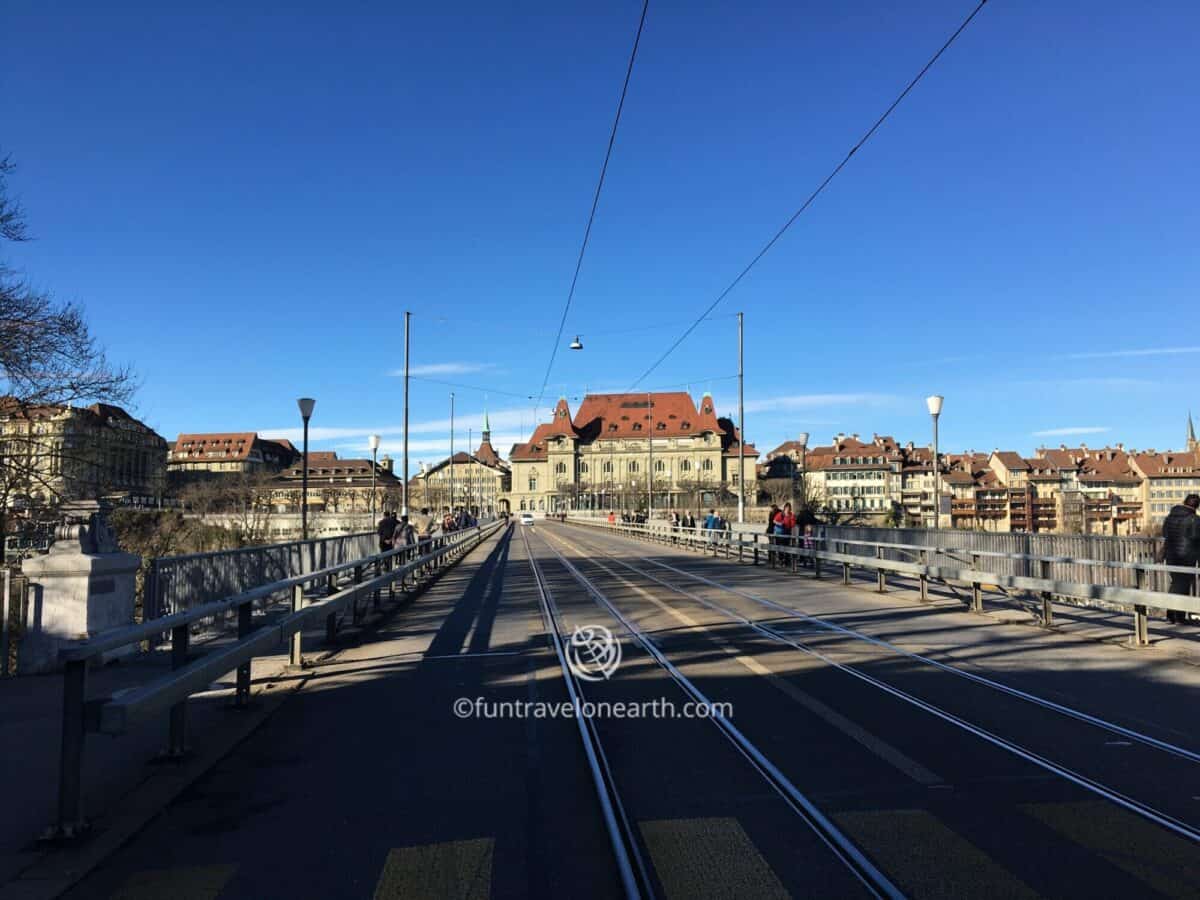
<point>479,482</point>
<point>229,453</point>
<point>630,452</point>
<point>54,453</point>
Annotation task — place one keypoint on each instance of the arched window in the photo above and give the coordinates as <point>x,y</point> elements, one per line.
<point>522,506</point>
<point>633,466</point>
<point>560,469</point>
<point>706,465</point>
<point>607,467</point>
<point>533,482</point>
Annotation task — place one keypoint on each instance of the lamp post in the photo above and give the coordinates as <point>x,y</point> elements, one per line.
<point>373,443</point>
<point>306,405</point>
<point>650,446</point>
<point>404,462</point>
<point>742,431</point>
<point>934,404</point>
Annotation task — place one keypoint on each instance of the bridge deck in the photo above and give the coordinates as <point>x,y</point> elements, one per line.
<point>366,783</point>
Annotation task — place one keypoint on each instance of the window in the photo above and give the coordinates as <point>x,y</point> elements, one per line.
<point>633,466</point>
<point>659,466</point>
<point>533,482</point>
<point>685,466</point>
<point>706,465</point>
<point>607,467</point>
<point>560,468</point>
<point>583,468</point>
<point>637,426</point>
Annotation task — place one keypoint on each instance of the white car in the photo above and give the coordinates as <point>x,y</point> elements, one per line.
<point>526,518</point>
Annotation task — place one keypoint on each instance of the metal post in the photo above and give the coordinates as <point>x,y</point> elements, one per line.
<point>881,574</point>
<point>245,625</point>
<point>374,465</point>
<point>177,734</point>
<point>356,615</point>
<point>70,760</point>
<point>650,445</point>
<point>331,619</point>
<point>452,453</point>
<point>294,657</point>
<point>1141,619</point>
<point>741,429</point>
<point>375,596</point>
<point>404,463</point>
<point>976,587</point>
<point>845,573</point>
<point>304,487</point>
<point>924,580</point>
<point>1047,596</point>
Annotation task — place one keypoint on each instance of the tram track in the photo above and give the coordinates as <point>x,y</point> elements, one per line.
<point>594,556</point>
<point>875,882</point>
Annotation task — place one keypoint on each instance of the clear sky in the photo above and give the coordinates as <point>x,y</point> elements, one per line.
<point>245,198</point>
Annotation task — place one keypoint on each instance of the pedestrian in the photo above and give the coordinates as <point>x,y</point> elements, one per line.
<point>385,529</point>
<point>1181,547</point>
<point>771,514</point>
<point>612,517</point>
<point>711,521</point>
<point>810,544</point>
<point>423,524</point>
<point>404,535</point>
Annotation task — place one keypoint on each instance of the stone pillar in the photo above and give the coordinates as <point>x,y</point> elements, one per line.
<point>83,586</point>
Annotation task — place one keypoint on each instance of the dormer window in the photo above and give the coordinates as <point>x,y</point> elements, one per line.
<point>637,426</point>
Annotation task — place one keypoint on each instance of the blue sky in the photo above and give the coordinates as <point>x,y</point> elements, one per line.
<point>246,197</point>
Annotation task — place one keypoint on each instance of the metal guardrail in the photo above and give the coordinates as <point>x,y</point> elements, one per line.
<point>345,584</point>
<point>1040,575</point>
<point>177,583</point>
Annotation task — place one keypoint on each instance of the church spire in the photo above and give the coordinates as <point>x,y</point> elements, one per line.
<point>1191,437</point>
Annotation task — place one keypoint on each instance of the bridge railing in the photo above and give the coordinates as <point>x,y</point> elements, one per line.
<point>320,595</point>
<point>1134,586</point>
<point>176,584</point>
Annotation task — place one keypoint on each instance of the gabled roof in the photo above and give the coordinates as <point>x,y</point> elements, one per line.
<point>664,415</point>
<point>1011,460</point>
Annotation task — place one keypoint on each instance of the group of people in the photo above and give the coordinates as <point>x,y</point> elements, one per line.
<point>784,528</point>
<point>403,531</point>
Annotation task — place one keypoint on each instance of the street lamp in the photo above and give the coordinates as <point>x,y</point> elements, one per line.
<point>934,404</point>
<point>306,405</point>
<point>373,443</point>
<point>576,344</point>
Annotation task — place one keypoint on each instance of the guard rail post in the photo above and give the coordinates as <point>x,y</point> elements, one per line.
<point>740,544</point>
<point>1047,596</point>
<point>241,695</point>
<point>976,587</point>
<point>355,612</point>
<point>375,594</point>
<point>881,574</point>
<point>177,729</point>
<point>793,543</point>
<point>1141,620</point>
<point>70,760</point>
<point>924,577</point>
<point>816,561</point>
<point>755,539</point>
<point>294,654</point>
<point>331,619</point>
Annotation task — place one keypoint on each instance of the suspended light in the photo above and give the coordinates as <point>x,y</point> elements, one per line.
<point>576,344</point>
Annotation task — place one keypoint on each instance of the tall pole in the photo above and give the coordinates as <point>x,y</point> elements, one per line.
<point>374,463</point>
<point>452,453</point>
<point>934,404</point>
<point>650,472</point>
<point>306,405</point>
<point>742,430</point>
<point>404,463</point>
<point>470,469</point>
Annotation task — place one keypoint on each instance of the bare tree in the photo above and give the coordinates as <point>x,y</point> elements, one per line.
<point>48,358</point>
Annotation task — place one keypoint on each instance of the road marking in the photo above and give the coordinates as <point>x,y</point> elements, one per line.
<point>709,858</point>
<point>182,883</point>
<point>927,858</point>
<point>876,745</point>
<point>461,870</point>
<point>1168,863</point>
<point>879,747</point>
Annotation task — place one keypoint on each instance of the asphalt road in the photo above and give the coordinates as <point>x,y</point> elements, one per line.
<point>367,784</point>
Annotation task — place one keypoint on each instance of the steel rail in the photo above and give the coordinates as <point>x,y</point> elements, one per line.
<point>1111,794</point>
<point>620,833</point>
<point>871,877</point>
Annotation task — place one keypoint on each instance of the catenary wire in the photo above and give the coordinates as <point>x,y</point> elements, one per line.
<point>811,197</point>
<point>587,232</point>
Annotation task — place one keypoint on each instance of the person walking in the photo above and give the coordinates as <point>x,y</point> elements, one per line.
<point>1181,547</point>
<point>771,514</point>
<point>385,529</point>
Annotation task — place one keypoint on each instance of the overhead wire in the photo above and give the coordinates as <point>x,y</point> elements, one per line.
<point>587,232</point>
<point>811,197</point>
